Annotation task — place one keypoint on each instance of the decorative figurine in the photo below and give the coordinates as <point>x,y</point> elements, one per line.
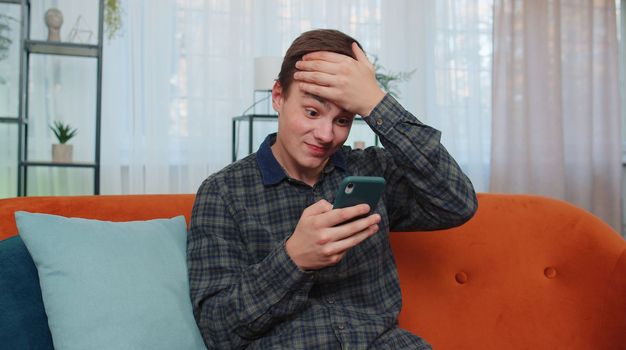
<point>54,20</point>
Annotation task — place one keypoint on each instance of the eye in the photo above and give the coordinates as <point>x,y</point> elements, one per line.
<point>311,113</point>
<point>343,121</point>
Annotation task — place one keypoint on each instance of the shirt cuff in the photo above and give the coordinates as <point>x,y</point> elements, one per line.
<point>387,114</point>
<point>280,270</point>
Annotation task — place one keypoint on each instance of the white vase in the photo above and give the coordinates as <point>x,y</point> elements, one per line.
<point>62,153</point>
<point>359,145</point>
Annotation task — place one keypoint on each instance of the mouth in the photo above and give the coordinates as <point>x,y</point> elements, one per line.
<point>317,151</point>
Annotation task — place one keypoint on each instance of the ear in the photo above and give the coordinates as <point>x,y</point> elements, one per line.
<point>277,96</point>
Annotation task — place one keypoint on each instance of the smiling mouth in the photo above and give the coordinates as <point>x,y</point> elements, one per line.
<point>317,150</point>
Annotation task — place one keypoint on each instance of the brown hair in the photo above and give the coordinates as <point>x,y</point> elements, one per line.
<point>311,41</point>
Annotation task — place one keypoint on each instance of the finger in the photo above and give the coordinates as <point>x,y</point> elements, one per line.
<point>325,56</point>
<point>340,232</point>
<point>341,215</point>
<point>350,228</point>
<point>359,54</point>
<point>340,247</point>
<point>327,92</point>
<point>320,207</point>
<point>333,259</point>
<point>314,78</point>
<point>318,66</point>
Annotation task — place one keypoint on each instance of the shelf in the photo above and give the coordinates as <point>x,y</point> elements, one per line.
<point>61,48</point>
<point>9,120</point>
<point>247,117</point>
<point>59,165</point>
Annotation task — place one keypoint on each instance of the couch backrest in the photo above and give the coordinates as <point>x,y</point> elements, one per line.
<point>111,208</point>
<point>526,272</point>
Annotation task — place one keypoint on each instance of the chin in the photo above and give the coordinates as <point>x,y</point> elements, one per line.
<point>313,163</point>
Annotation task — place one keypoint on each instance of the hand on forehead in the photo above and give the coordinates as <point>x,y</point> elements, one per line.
<point>349,83</point>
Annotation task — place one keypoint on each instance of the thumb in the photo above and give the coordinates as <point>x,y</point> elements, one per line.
<point>320,207</point>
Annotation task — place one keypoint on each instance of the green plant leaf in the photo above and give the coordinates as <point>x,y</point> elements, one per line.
<point>63,132</point>
<point>112,18</point>
<point>5,32</point>
<point>388,80</point>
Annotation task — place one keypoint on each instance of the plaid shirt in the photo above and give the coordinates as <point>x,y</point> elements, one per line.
<point>248,293</point>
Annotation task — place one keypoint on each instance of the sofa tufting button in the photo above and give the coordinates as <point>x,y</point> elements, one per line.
<point>461,277</point>
<point>550,272</point>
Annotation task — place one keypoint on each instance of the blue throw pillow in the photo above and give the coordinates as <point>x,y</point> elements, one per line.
<point>23,321</point>
<point>113,285</point>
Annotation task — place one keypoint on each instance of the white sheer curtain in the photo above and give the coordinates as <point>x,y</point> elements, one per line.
<point>9,96</point>
<point>556,126</point>
<point>183,69</point>
<point>449,43</point>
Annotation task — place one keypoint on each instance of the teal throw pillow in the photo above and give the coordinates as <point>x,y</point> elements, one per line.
<point>112,285</point>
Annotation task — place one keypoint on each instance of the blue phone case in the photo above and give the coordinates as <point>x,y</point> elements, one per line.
<point>355,190</point>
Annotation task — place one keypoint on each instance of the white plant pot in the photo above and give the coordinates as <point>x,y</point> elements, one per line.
<point>62,153</point>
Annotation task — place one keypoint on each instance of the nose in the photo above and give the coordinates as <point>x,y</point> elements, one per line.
<point>324,132</point>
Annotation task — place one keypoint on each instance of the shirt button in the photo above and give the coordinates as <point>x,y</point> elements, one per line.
<point>379,122</point>
<point>330,300</point>
<point>341,327</point>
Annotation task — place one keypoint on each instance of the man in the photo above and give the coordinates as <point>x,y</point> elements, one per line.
<point>272,265</point>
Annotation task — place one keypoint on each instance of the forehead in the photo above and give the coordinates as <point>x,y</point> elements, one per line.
<point>308,98</point>
<point>321,100</point>
<point>295,92</point>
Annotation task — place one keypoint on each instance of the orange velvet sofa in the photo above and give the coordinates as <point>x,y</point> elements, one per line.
<point>526,272</point>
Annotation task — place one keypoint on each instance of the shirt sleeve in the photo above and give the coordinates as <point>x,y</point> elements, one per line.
<point>426,189</point>
<point>233,302</point>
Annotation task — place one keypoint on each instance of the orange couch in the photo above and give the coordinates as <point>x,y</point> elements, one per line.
<point>525,273</point>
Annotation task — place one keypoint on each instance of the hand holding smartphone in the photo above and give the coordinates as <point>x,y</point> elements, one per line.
<point>316,244</point>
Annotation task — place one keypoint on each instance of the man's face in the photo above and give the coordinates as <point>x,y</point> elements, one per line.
<point>310,130</point>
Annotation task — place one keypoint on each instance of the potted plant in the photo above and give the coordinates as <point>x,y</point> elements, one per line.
<point>112,18</point>
<point>62,152</point>
<point>5,39</point>
<point>387,80</point>
<point>5,35</point>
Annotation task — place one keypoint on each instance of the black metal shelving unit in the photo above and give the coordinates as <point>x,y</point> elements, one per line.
<point>250,118</point>
<point>67,49</point>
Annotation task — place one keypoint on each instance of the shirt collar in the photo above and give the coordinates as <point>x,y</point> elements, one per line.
<point>272,172</point>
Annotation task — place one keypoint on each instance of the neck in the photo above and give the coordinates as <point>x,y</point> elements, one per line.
<point>308,176</point>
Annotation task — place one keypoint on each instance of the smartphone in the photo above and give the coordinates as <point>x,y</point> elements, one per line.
<point>355,190</point>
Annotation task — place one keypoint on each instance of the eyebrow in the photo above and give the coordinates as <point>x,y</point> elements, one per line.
<point>323,101</point>
<point>319,99</point>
